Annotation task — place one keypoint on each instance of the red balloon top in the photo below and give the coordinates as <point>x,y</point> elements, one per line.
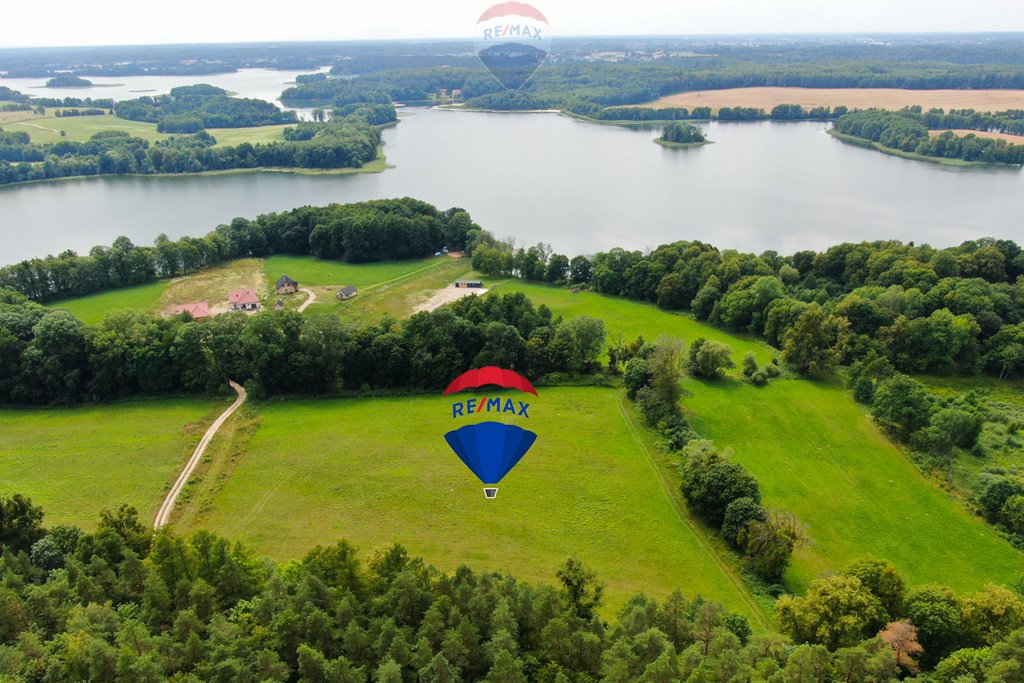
<point>505,8</point>
<point>490,375</point>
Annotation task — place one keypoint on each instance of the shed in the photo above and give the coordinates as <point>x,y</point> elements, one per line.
<point>286,285</point>
<point>469,283</point>
<point>243,300</point>
<point>346,292</point>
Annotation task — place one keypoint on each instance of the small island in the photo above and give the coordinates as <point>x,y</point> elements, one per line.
<point>68,81</point>
<point>677,134</point>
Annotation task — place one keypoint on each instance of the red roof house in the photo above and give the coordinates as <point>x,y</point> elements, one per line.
<point>243,300</point>
<point>198,310</point>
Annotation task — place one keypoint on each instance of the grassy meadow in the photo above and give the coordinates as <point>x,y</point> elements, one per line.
<point>92,308</point>
<point>77,461</point>
<point>81,128</point>
<point>378,470</point>
<point>817,455</point>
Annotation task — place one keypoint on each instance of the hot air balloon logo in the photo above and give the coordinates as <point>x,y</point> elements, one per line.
<point>512,40</point>
<point>490,449</point>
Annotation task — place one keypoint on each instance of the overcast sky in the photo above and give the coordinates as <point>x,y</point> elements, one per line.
<point>114,22</point>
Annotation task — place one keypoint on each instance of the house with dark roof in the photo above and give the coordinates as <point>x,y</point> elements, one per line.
<point>199,310</point>
<point>243,300</point>
<point>346,293</point>
<point>286,285</point>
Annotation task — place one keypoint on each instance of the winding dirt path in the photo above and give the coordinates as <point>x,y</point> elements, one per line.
<point>307,302</point>
<point>163,515</point>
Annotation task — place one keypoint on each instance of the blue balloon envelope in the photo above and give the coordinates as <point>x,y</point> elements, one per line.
<point>490,449</point>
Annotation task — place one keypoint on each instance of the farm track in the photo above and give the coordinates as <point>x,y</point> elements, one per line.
<point>163,515</point>
<point>698,533</point>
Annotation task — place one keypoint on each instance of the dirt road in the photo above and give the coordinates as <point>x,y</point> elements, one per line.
<point>163,515</point>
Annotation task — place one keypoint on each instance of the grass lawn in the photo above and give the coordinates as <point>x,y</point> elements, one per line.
<point>631,318</point>
<point>394,288</point>
<point>81,128</point>
<point>378,470</point>
<point>92,308</point>
<point>818,455</point>
<point>77,461</point>
<point>311,271</point>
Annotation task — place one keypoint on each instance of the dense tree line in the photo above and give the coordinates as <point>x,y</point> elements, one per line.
<point>609,84</point>
<point>1010,121</point>
<point>348,142</point>
<point>91,111</point>
<point>210,105</point>
<point>379,229</point>
<point>926,310</point>
<point>48,356</point>
<point>906,131</point>
<point>123,604</point>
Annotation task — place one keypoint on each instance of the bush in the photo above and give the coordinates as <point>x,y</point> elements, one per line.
<point>738,514</point>
<point>711,483</point>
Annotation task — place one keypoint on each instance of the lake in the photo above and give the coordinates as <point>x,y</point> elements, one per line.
<point>263,84</point>
<point>580,187</point>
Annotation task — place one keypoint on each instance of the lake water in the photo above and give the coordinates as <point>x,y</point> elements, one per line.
<point>264,84</point>
<point>580,187</point>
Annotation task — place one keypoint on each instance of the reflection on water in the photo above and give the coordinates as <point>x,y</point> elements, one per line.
<point>580,187</point>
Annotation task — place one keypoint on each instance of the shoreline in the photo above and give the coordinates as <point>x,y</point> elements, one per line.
<point>913,156</point>
<point>681,145</point>
<point>378,165</point>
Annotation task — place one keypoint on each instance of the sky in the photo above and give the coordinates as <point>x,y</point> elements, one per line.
<point>116,22</point>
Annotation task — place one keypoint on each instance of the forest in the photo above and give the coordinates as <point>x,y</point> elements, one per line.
<point>609,84</point>
<point>206,106</point>
<point>120,603</point>
<point>907,131</point>
<point>345,142</point>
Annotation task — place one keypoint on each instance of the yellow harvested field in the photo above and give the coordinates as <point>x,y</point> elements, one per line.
<point>1012,139</point>
<point>862,98</point>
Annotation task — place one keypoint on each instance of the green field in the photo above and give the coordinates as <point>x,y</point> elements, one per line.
<point>310,271</point>
<point>631,318</point>
<point>378,470</point>
<point>77,461</point>
<point>92,308</point>
<point>81,128</point>
<point>818,455</point>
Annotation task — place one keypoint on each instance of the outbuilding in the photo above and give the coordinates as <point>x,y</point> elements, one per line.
<point>346,293</point>
<point>286,285</point>
<point>474,284</point>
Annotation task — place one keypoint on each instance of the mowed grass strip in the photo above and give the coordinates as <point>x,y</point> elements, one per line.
<point>77,461</point>
<point>377,471</point>
<point>818,455</point>
<point>92,308</point>
<point>314,272</point>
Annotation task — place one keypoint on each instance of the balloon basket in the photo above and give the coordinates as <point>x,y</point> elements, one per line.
<point>490,491</point>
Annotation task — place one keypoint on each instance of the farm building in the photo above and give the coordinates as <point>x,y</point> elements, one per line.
<point>346,293</point>
<point>199,310</point>
<point>243,300</point>
<point>474,284</point>
<point>286,285</point>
